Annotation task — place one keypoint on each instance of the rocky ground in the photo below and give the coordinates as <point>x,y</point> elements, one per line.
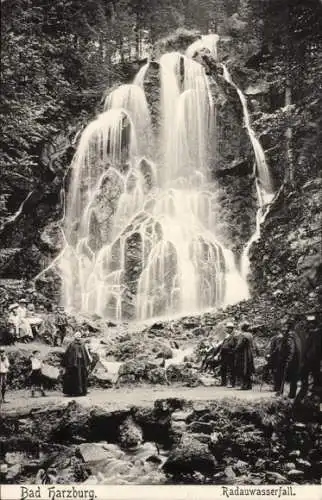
<point>252,439</point>
<point>161,423</point>
<point>162,353</point>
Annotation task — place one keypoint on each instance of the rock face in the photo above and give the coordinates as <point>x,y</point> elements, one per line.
<point>189,457</point>
<point>26,253</point>
<point>175,441</point>
<point>30,212</point>
<point>293,226</point>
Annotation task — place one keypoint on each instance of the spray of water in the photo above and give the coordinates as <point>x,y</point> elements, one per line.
<point>206,43</point>
<point>132,99</point>
<point>263,181</point>
<point>141,222</point>
<point>140,76</point>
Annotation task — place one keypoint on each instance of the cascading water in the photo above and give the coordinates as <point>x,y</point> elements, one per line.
<point>141,221</point>
<point>264,188</point>
<point>140,76</point>
<point>185,88</point>
<point>132,99</point>
<point>205,43</point>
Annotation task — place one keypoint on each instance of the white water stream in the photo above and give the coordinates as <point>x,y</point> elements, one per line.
<point>141,220</point>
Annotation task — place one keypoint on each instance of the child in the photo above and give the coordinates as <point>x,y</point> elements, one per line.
<point>4,367</point>
<point>36,377</point>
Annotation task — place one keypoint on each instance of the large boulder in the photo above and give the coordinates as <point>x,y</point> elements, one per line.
<point>184,373</point>
<point>92,453</point>
<point>129,346</point>
<point>130,434</point>
<point>132,371</point>
<point>74,424</point>
<point>190,457</point>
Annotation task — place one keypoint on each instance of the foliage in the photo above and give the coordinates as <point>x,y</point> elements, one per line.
<point>287,37</point>
<point>59,57</point>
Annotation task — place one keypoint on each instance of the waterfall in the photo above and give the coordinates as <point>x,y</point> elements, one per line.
<point>132,99</point>
<point>185,89</point>
<point>141,225</point>
<point>262,170</point>
<point>140,76</point>
<point>264,202</point>
<point>205,43</point>
<point>263,181</point>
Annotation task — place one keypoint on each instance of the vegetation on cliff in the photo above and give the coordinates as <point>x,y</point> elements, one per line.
<point>59,58</point>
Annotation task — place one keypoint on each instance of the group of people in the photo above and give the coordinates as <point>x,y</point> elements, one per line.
<point>76,364</point>
<point>293,355</point>
<point>234,355</point>
<point>24,323</point>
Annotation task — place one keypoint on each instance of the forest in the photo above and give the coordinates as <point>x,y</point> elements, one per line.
<point>58,58</point>
<point>147,242</point>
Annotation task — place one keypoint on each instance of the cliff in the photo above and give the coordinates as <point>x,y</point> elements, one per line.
<point>284,113</point>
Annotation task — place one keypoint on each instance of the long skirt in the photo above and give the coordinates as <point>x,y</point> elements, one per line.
<point>75,381</point>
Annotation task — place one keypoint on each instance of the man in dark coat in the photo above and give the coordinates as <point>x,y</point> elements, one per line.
<point>244,356</point>
<point>274,359</point>
<point>301,354</point>
<point>76,362</point>
<point>226,349</point>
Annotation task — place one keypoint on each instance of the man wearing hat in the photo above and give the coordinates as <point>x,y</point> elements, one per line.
<point>61,324</point>
<point>4,368</point>
<point>76,362</point>
<point>227,359</point>
<point>244,356</point>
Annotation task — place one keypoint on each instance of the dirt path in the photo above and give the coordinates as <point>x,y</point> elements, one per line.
<point>125,397</point>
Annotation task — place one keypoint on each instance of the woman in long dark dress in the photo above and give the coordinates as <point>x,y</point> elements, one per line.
<point>76,362</point>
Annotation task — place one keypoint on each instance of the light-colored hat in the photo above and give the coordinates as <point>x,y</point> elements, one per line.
<point>310,317</point>
<point>13,306</point>
<point>2,349</point>
<point>22,301</point>
<point>78,335</point>
<point>229,324</point>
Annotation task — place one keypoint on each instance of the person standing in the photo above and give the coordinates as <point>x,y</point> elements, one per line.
<point>4,368</point>
<point>244,356</point>
<point>13,320</point>
<point>36,377</point>
<point>61,324</point>
<point>227,359</point>
<point>7,331</point>
<point>76,363</point>
<point>273,359</point>
<point>24,325</point>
